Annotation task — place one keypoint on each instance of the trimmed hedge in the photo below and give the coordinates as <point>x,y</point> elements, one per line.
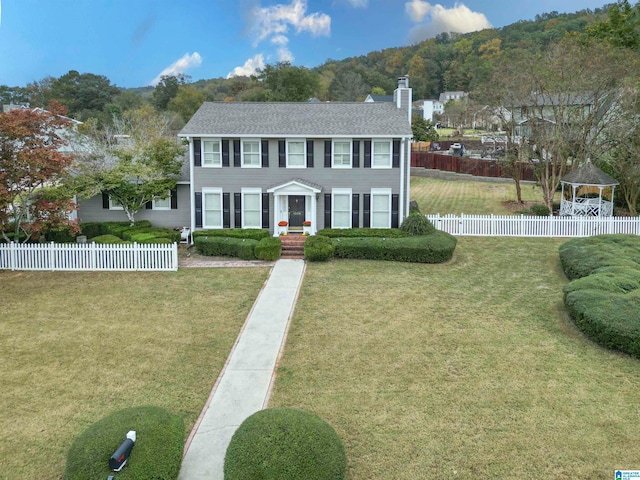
<point>363,232</point>
<point>226,246</point>
<point>435,248</point>
<point>540,210</point>
<point>318,248</point>
<point>151,232</point>
<point>604,297</point>
<point>108,239</point>
<point>252,233</point>
<point>269,248</point>
<point>285,444</point>
<point>156,454</point>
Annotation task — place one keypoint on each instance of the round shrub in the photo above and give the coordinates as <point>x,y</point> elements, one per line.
<point>318,248</point>
<point>157,453</point>
<point>269,249</point>
<point>540,210</point>
<point>417,224</point>
<point>285,444</point>
<point>107,239</point>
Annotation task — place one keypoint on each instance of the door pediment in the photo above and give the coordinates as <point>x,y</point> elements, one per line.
<point>295,187</point>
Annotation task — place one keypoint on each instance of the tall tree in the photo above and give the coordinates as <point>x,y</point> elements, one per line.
<point>32,157</point>
<point>166,89</point>
<point>348,87</point>
<point>621,28</point>
<point>286,83</point>
<point>85,95</point>
<point>187,101</point>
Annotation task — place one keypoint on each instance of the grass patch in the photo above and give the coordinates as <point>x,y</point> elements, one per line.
<point>436,195</point>
<point>470,369</point>
<point>79,346</point>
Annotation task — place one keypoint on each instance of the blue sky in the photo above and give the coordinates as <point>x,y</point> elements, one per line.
<point>133,42</point>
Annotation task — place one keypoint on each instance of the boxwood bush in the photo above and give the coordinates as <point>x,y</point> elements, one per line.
<point>243,248</point>
<point>93,229</point>
<point>540,210</point>
<point>252,233</point>
<point>269,248</point>
<point>435,248</point>
<point>363,232</point>
<point>318,248</point>
<point>156,454</point>
<point>285,444</point>
<point>104,239</point>
<point>604,297</point>
<point>151,232</point>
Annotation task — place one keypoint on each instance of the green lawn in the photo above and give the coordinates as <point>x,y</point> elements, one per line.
<point>469,197</point>
<point>469,369</point>
<point>78,346</point>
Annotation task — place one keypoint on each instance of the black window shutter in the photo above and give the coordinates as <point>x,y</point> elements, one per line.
<point>309,153</point>
<point>367,154</point>
<point>225,153</point>
<point>366,210</point>
<point>282,154</point>
<point>327,154</point>
<point>265,153</point>
<point>197,152</point>
<point>327,210</point>
<point>105,200</point>
<point>226,210</point>
<point>236,153</point>
<point>265,210</point>
<point>237,205</point>
<point>149,205</point>
<point>396,153</point>
<point>198,205</point>
<point>395,203</point>
<point>174,198</point>
<point>356,153</point>
<point>355,210</point>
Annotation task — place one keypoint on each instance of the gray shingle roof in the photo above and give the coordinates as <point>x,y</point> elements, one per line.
<point>318,120</point>
<point>588,174</point>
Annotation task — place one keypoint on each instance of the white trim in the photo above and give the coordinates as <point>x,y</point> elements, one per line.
<point>217,141</point>
<point>192,188</point>
<point>373,152</point>
<point>341,192</point>
<point>155,199</point>
<point>242,152</point>
<point>208,191</point>
<point>251,191</point>
<point>113,205</point>
<point>315,136</point>
<point>380,192</point>
<point>304,152</point>
<point>333,153</point>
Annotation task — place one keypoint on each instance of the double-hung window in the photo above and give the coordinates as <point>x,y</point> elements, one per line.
<point>212,207</point>
<point>381,154</point>
<point>341,206</point>
<point>251,208</point>
<point>114,204</point>
<point>380,208</point>
<point>251,153</point>
<point>211,154</point>
<point>162,203</point>
<point>341,154</point>
<point>296,154</point>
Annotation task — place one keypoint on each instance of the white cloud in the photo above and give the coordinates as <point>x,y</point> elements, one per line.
<point>249,68</point>
<point>440,19</point>
<point>277,20</point>
<point>358,3</point>
<point>285,55</point>
<point>181,65</point>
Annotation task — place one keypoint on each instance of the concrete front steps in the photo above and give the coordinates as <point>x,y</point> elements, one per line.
<point>293,246</point>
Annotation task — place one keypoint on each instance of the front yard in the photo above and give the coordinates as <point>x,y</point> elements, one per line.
<point>78,346</point>
<point>470,369</point>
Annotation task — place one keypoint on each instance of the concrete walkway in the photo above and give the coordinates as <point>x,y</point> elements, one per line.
<point>244,384</point>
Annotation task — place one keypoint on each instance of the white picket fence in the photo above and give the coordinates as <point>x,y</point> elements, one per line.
<point>533,226</point>
<point>89,257</point>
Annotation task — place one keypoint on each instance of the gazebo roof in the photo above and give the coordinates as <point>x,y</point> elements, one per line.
<point>589,174</point>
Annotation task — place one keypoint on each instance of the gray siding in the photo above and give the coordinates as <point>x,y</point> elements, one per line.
<point>91,210</point>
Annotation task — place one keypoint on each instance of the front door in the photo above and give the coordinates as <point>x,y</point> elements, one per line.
<point>296,211</point>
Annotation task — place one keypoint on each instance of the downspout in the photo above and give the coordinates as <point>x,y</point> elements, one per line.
<point>403,146</point>
<point>192,189</point>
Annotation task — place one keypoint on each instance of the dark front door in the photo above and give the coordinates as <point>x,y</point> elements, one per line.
<point>296,210</point>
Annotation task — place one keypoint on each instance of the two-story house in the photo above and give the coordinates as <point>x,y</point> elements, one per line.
<point>338,165</point>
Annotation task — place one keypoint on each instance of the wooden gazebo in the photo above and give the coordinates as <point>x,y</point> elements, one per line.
<point>587,191</point>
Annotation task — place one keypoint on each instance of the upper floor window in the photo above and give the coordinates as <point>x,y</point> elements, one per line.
<point>342,154</point>
<point>251,153</point>
<point>211,156</point>
<point>381,154</point>
<point>296,154</point>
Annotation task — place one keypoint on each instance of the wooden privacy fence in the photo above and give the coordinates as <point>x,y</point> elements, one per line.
<point>532,226</point>
<point>89,257</point>
<point>477,167</point>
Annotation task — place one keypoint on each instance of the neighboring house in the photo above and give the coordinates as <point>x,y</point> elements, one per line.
<point>451,96</point>
<point>338,165</point>
<point>430,108</point>
<point>378,98</point>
